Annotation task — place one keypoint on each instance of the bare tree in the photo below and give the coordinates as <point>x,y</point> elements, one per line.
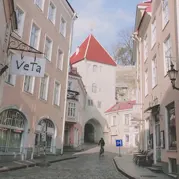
<point>124,48</point>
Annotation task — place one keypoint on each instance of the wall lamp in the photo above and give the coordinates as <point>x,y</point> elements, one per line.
<point>172,73</point>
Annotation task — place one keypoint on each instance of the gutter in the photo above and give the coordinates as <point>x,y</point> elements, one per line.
<point>65,103</point>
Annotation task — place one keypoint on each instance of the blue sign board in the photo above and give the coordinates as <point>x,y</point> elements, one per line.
<point>119,143</point>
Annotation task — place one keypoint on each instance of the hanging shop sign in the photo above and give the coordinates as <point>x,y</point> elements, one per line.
<point>26,65</point>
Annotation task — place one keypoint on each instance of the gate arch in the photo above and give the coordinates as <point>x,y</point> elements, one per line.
<point>93,131</point>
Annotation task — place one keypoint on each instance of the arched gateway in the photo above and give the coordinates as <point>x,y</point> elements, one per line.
<point>93,131</point>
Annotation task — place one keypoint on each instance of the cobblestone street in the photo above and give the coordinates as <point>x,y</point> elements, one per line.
<point>86,166</point>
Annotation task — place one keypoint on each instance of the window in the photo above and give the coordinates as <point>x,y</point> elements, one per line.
<point>71,109</point>
<point>126,118</point>
<point>20,20</point>
<point>154,72</point>
<point>145,48</point>
<point>48,49</point>
<point>39,3</point>
<point>154,32</point>
<point>165,12</point>
<point>99,104</point>
<point>52,12</point>
<point>114,122</point>
<point>94,88</point>
<point>44,87</point>
<point>29,84</point>
<point>171,126</point>
<point>63,27</point>
<point>94,68</point>
<point>69,85</point>
<point>60,56</point>
<point>34,36</point>
<point>90,102</point>
<point>127,137</point>
<point>146,82</point>
<point>56,98</point>
<point>10,79</point>
<point>167,55</point>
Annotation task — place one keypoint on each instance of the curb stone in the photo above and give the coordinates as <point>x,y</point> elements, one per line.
<point>6,169</point>
<point>122,171</point>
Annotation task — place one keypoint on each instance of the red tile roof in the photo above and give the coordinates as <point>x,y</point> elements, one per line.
<point>121,106</point>
<point>92,50</point>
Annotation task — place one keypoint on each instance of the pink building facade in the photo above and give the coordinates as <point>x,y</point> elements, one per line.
<point>32,113</point>
<point>75,113</point>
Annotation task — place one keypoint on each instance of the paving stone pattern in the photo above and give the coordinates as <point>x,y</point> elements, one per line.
<point>86,166</point>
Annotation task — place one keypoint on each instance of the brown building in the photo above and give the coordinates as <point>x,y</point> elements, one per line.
<point>155,48</point>
<point>33,108</point>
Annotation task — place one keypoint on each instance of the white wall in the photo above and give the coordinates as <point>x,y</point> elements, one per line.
<point>122,129</point>
<point>104,78</point>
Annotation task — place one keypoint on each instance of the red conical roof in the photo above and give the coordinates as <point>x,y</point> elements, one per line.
<point>92,50</point>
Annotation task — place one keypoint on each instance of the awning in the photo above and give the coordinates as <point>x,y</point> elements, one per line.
<point>152,108</point>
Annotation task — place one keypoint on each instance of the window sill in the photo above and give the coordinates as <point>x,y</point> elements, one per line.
<point>28,92</point>
<point>10,84</point>
<point>63,35</point>
<point>172,150</point>
<point>56,105</point>
<point>43,100</point>
<point>39,8</point>
<point>154,86</point>
<point>48,59</point>
<point>153,45</point>
<point>164,26</point>
<point>51,21</point>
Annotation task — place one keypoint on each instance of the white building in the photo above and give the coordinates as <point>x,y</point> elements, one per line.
<point>75,113</point>
<point>98,71</point>
<point>121,124</point>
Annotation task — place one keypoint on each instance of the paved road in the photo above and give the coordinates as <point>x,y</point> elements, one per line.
<point>86,166</point>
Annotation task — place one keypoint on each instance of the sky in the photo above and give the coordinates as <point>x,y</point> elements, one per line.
<point>104,19</point>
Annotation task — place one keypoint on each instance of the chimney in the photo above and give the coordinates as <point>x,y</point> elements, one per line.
<point>77,50</point>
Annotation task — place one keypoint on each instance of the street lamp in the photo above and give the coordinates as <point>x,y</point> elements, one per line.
<point>172,73</point>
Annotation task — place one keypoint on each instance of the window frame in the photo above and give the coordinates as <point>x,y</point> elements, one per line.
<point>20,30</point>
<point>13,77</point>
<point>55,12</point>
<point>154,66</point>
<point>153,35</point>
<point>31,91</point>
<point>42,4</point>
<point>94,88</point>
<point>59,97</point>
<point>38,35</point>
<point>64,32</point>
<point>46,88</point>
<point>167,59</point>
<point>51,48</point>
<point>146,87</point>
<point>60,65</point>
<point>165,13</point>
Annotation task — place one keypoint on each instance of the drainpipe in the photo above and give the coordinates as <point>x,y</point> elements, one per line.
<point>69,52</point>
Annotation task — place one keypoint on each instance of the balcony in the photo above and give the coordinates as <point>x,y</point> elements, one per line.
<point>72,95</point>
<point>72,120</point>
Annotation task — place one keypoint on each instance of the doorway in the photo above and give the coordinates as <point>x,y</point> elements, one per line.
<point>89,133</point>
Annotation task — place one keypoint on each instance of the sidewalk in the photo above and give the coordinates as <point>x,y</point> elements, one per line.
<point>126,166</point>
<point>15,165</point>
